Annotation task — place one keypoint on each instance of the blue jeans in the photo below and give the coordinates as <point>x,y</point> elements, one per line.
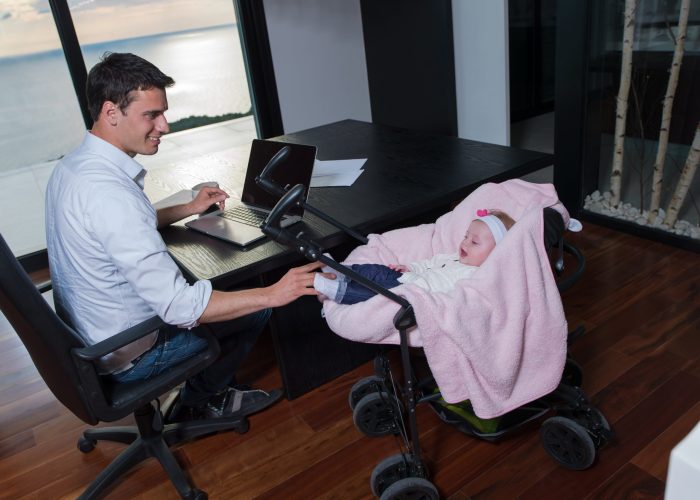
<point>174,345</point>
<point>355,292</point>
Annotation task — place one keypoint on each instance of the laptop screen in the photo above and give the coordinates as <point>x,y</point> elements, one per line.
<point>295,169</point>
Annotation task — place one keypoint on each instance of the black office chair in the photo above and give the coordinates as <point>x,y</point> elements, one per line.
<point>67,365</point>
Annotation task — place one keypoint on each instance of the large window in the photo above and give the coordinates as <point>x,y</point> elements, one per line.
<point>194,41</point>
<point>39,114</point>
<point>40,119</point>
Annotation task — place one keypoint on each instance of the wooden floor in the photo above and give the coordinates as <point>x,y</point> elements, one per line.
<point>640,304</point>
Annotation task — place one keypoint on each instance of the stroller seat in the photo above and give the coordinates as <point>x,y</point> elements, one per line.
<point>497,338</point>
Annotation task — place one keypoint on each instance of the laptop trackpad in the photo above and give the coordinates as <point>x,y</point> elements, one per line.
<point>218,227</point>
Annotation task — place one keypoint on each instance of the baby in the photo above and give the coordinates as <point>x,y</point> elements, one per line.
<point>437,274</point>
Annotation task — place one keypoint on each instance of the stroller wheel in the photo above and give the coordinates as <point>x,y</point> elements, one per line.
<point>411,488</point>
<point>597,426</point>
<point>573,374</point>
<point>377,414</point>
<point>568,443</point>
<point>393,469</point>
<point>364,386</point>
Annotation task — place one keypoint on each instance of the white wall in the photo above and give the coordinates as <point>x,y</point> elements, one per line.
<point>319,60</point>
<point>321,73</point>
<point>480,30</point>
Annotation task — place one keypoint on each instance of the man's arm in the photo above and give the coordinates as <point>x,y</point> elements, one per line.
<point>205,198</point>
<point>296,282</point>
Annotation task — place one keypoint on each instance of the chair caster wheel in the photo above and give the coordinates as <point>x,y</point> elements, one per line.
<point>86,445</point>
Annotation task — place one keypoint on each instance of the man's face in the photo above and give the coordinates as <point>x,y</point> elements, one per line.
<point>141,125</point>
<point>477,244</point>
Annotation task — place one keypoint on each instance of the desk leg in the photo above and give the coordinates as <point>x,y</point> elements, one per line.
<point>308,353</point>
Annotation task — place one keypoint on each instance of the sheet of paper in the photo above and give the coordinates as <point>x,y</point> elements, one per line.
<point>182,196</point>
<point>336,172</point>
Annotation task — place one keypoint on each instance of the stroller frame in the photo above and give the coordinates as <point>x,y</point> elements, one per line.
<point>571,438</point>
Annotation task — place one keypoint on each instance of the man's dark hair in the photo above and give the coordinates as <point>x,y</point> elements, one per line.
<point>116,75</point>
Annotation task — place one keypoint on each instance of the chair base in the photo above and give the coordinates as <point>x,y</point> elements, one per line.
<point>150,438</point>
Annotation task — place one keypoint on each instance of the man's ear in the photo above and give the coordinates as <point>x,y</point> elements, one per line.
<point>110,111</point>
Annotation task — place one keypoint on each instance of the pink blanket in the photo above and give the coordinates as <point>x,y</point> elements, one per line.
<point>498,338</point>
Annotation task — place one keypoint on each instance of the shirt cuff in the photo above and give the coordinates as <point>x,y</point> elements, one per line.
<point>203,291</point>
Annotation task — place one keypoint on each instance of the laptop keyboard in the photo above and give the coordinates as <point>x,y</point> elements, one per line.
<point>246,215</point>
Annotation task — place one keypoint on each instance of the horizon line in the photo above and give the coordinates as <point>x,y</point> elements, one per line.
<point>116,40</point>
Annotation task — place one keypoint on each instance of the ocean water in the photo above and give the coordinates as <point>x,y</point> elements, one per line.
<point>40,118</point>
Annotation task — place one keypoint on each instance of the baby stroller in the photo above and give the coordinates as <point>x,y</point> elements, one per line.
<point>571,435</point>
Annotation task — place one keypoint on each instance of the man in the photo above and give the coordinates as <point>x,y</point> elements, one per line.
<point>110,267</point>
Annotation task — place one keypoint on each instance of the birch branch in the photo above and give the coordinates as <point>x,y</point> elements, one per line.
<point>622,98</point>
<point>691,165</point>
<point>657,180</point>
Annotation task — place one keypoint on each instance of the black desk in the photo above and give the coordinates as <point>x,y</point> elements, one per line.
<point>408,176</point>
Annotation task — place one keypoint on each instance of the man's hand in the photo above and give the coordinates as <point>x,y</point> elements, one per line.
<point>206,197</point>
<point>296,282</point>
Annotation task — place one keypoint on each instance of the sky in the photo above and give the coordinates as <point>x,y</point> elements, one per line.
<point>27,26</point>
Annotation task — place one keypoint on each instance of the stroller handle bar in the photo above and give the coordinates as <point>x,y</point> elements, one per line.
<point>264,180</point>
<point>271,225</point>
<point>272,228</point>
<point>404,318</point>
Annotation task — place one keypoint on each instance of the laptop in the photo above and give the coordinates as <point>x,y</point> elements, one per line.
<point>240,222</point>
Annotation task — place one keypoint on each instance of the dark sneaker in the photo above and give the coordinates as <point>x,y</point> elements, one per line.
<point>231,403</point>
<point>181,413</point>
<point>239,403</point>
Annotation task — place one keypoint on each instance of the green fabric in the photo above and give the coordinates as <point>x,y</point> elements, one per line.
<point>465,411</point>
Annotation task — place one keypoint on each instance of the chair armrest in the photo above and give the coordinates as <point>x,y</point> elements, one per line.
<point>41,279</point>
<point>96,351</point>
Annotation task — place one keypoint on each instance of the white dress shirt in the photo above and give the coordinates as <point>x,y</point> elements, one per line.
<point>109,265</point>
<point>437,274</point>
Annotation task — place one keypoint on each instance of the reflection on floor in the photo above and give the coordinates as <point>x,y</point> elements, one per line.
<point>22,191</point>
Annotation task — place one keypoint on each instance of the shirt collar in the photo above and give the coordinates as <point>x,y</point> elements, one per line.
<point>116,156</point>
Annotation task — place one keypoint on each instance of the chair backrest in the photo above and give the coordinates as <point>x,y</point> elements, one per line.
<point>47,338</point>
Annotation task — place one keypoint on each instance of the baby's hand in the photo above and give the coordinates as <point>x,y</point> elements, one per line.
<point>398,267</point>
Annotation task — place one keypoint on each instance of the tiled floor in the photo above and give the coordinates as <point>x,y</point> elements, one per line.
<point>22,191</point>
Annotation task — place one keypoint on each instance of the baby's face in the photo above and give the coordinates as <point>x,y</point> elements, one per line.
<point>477,244</point>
